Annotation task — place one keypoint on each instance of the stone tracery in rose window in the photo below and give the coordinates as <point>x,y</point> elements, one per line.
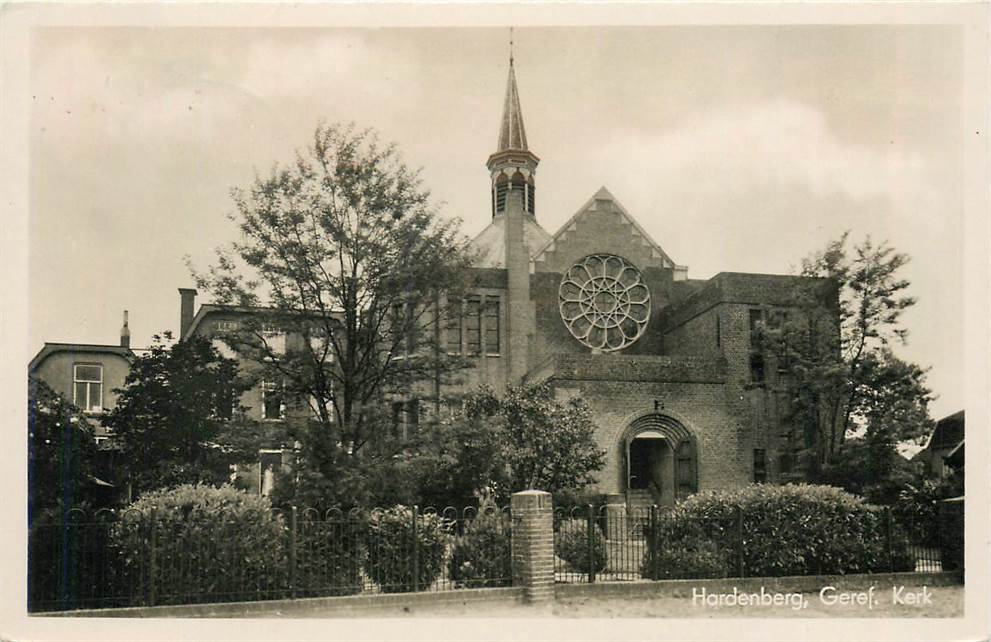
<point>604,302</point>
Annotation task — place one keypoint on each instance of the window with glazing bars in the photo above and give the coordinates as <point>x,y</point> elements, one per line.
<point>760,466</point>
<point>473,326</point>
<point>454,326</point>
<point>492,325</point>
<point>87,383</point>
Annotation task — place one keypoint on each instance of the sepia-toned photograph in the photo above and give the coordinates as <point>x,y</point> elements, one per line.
<point>575,321</point>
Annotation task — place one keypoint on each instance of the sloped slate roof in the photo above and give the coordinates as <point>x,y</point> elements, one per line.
<point>491,242</point>
<point>949,431</point>
<point>52,348</point>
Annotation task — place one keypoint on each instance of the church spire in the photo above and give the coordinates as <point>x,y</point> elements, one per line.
<point>512,134</point>
<point>513,165</point>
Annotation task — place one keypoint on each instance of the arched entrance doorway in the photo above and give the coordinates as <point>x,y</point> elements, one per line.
<point>660,458</point>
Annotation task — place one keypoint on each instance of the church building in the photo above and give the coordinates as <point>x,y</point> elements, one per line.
<point>683,394</point>
<point>672,367</point>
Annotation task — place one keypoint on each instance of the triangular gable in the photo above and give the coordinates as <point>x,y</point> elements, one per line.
<point>574,240</point>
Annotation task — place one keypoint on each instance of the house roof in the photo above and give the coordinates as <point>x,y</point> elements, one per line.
<point>51,348</point>
<point>949,432</point>
<point>209,308</point>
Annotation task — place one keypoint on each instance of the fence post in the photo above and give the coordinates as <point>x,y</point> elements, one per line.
<point>655,560</point>
<point>590,538</point>
<point>62,556</point>
<point>533,545</point>
<point>416,551</point>
<point>939,535</point>
<point>739,542</point>
<point>293,525</point>
<point>153,558</point>
<point>887,539</point>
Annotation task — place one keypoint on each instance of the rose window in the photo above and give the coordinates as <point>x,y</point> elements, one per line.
<point>604,302</point>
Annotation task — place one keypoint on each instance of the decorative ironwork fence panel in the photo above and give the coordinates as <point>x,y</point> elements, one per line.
<point>114,559</point>
<point>615,543</point>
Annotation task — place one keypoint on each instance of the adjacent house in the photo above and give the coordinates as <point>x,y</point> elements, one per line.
<point>943,454</point>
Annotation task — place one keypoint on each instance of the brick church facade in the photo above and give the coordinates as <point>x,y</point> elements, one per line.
<point>671,367</point>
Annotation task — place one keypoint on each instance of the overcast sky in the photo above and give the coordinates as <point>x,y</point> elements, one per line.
<point>736,148</point>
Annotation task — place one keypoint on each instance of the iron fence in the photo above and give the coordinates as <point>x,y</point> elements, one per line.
<point>613,542</point>
<point>112,558</point>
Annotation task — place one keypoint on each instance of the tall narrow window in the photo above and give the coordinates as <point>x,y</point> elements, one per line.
<point>454,326</point>
<point>224,403</point>
<point>473,326</point>
<point>274,339</point>
<point>87,383</point>
<point>492,325</point>
<point>398,419</point>
<point>273,403</point>
<point>719,333</point>
<point>756,328</point>
<point>760,466</point>
<point>756,346</point>
<point>778,322</point>
<point>410,321</point>
<point>756,367</point>
<point>501,189</point>
<point>685,470</point>
<point>530,207</point>
<point>412,417</point>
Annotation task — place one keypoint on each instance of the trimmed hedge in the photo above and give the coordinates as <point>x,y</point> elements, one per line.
<point>796,529</point>
<point>389,553</point>
<point>211,545</point>
<point>571,545</point>
<point>482,557</point>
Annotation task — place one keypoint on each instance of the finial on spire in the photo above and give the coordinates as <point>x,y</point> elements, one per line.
<point>510,46</point>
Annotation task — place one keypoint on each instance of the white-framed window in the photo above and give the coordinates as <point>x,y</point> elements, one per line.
<point>273,401</point>
<point>275,338</point>
<point>328,405</point>
<point>224,349</point>
<point>405,418</point>
<point>87,387</point>
<point>321,347</point>
<point>228,326</point>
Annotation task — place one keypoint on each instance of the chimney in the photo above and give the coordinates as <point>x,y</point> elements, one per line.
<point>187,299</point>
<point>125,333</point>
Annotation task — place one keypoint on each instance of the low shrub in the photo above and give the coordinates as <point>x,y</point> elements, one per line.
<point>211,544</point>
<point>786,530</point>
<point>482,557</point>
<point>389,549</point>
<point>571,545</point>
<point>702,561</point>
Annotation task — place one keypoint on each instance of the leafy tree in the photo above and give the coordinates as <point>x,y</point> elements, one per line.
<point>460,458</point>
<point>547,444</point>
<point>343,250</point>
<point>176,418</point>
<point>61,451</point>
<point>836,353</point>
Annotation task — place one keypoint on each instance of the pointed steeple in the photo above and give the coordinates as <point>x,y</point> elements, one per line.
<point>512,166</point>
<point>512,134</point>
